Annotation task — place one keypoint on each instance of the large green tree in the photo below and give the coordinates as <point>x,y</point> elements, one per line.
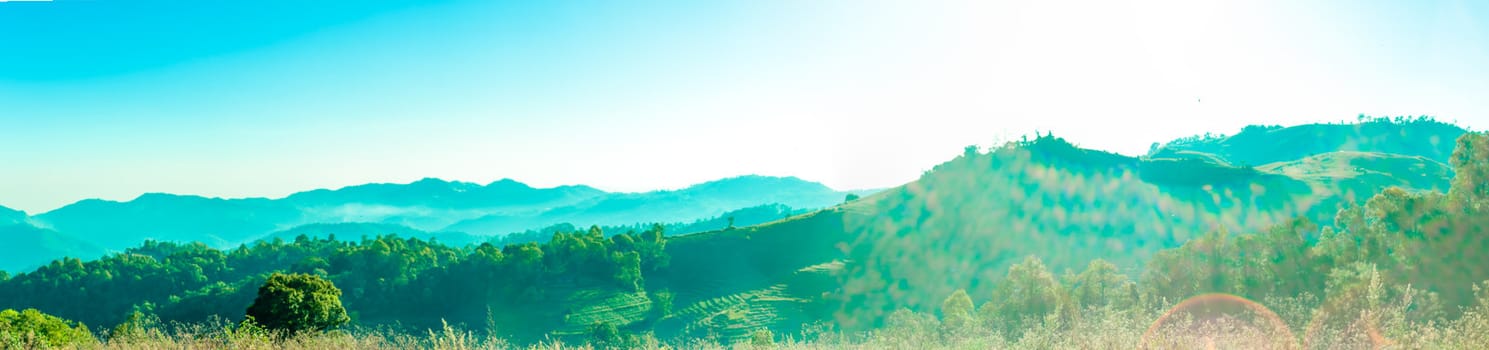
<point>1028,295</point>
<point>297,303</point>
<point>956,312</point>
<point>32,329</point>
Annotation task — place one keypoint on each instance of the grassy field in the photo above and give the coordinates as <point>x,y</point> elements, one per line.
<point>1216,322</point>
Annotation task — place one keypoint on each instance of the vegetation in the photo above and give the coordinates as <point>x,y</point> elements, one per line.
<point>1077,260</point>
<point>28,328</point>
<point>381,280</point>
<point>297,303</point>
<point>454,212</point>
<point>1259,145</point>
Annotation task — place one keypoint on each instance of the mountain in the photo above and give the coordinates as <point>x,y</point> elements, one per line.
<point>736,218</point>
<point>1258,145</point>
<point>965,221</point>
<point>356,231</point>
<point>27,247</point>
<point>431,204</point>
<point>11,216</point>
<point>698,201</point>
<point>959,226</point>
<point>431,207</point>
<point>167,217</point>
<point>436,193</point>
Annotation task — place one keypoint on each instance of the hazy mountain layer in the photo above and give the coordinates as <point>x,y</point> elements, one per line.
<point>426,207</point>
<point>11,216</point>
<point>961,225</point>
<point>27,247</point>
<point>700,201</point>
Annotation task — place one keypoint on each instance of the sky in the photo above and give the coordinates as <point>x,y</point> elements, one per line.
<point>112,99</point>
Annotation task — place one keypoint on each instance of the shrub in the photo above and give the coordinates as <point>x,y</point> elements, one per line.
<point>32,329</point>
<point>298,303</point>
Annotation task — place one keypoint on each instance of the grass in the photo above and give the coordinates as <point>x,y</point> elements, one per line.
<point>1094,328</point>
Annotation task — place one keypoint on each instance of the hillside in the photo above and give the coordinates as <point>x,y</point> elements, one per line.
<point>1259,145</point>
<point>703,200</point>
<point>963,223</point>
<point>429,205</point>
<point>1357,173</point>
<point>739,218</point>
<point>215,221</point>
<point>432,204</point>
<point>11,216</point>
<point>356,231</point>
<point>436,193</point>
<point>27,247</point>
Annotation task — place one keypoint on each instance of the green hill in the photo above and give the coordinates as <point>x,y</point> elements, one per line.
<point>354,231</point>
<point>1258,145</point>
<point>964,222</point>
<point>959,226</point>
<point>742,217</point>
<point>27,247</point>
<point>703,200</point>
<point>1358,172</point>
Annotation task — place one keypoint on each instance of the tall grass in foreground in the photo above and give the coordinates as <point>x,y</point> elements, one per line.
<point>1103,328</point>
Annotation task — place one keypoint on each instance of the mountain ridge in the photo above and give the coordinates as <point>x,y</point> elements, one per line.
<point>965,221</point>
<point>427,205</point>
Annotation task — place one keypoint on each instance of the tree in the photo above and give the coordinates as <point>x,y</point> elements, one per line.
<point>850,197</point>
<point>605,335</point>
<point>1028,295</point>
<point>628,270</point>
<point>297,303</point>
<point>956,311</point>
<point>1470,161</point>
<point>1101,285</point>
<point>32,329</point>
<point>762,339</point>
<point>661,303</point>
<point>136,325</point>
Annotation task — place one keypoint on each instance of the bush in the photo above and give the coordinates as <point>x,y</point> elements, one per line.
<point>32,329</point>
<point>762,338</point>
<point>956,312</point>
<point>297,303</point>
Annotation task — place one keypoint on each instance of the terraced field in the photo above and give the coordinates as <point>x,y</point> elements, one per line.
<point>781,308</point>
<point>604,306</point>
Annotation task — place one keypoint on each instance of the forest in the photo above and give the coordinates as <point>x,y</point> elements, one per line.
<point>1402,267</point>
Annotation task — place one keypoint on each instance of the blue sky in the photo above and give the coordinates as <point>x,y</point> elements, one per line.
<point>111,99</point>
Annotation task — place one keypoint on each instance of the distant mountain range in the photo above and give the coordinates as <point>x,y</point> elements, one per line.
<point>356,231</point>
<point>11,216</point>
<point>959,226</point>
<point>1252,179</point>
<point>455,210</point>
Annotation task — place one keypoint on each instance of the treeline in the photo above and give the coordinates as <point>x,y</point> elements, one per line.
<point>1407,267</point>
<point>737,218</point>
<point>386,280</point>
<point>1403,267</point>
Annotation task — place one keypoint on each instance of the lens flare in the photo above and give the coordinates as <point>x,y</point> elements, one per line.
<point>1218,306</point>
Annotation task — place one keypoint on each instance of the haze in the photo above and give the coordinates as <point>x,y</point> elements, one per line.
<point>113,99</point>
